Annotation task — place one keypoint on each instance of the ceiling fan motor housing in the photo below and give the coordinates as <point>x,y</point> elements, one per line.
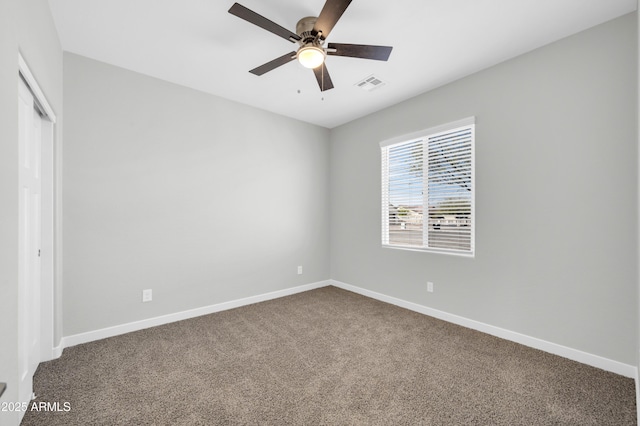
<point>304,28</point>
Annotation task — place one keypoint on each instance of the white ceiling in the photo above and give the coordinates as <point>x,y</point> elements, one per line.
<point>196,43</point>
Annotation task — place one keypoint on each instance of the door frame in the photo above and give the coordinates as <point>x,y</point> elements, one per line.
<point>51,217</point>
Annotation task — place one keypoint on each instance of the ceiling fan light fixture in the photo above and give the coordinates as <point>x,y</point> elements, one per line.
<point>311,56</point>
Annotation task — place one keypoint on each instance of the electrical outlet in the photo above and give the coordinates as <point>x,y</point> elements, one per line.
<point>299,270</point>
<point>147,295</point>
<point>430,287</point>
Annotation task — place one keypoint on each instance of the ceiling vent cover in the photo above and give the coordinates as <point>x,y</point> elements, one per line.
<point>370,83</point>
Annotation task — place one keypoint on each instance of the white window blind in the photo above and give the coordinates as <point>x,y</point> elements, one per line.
<point>427,190</point>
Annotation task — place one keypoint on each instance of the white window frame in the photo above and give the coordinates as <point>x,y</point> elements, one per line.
<point>424,135</point>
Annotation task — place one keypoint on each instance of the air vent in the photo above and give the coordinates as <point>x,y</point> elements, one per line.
<point>370,83</point>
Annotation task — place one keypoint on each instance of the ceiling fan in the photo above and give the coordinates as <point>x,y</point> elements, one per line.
<point>311,34</point>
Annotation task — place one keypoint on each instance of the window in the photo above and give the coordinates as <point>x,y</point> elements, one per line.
<point>428,190</point>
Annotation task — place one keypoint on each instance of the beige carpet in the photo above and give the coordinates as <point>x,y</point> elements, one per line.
<point>324,357</point>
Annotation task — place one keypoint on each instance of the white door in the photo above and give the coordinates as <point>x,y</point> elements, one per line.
<point>30,125</point>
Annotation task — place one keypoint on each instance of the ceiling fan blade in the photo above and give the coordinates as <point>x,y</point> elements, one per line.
<point>331,12</point>
<point>249,15</point>
<point>364,51</point>
<point>262,69</point>
<point>322,75</point>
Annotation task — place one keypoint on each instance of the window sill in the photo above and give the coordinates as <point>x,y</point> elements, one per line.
<point>430,250</point>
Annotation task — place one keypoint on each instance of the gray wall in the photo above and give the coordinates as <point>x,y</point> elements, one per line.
<point>25,26</point>
<point>556,196</point>
<point>199,198</point>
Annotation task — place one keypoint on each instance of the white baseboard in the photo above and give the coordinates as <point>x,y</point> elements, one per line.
<point>51,354</point>
<point>103,333</point>
<point>57,351</point>
<point>563,351</point>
